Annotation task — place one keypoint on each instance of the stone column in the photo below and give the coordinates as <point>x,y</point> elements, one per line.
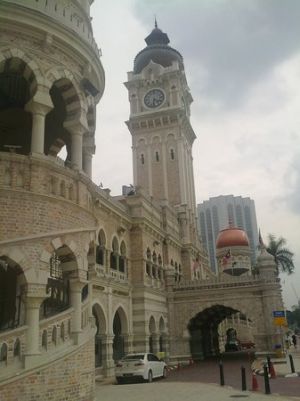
<point>33,323</point>
<point>155,343</point>
<point>134,164</point>
<point>128,343</point>
<point>75,297</point>
<point>107,358</point>
<point>165,175</point>
<point>149,162</point>
<point>182,177</point>
<point>87,161</point>
<point>39,112</point>
<point>76,146</point>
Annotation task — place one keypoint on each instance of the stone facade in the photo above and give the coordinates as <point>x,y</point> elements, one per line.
<point>86,277</point>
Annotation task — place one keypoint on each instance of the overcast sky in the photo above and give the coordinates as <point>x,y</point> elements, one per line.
<point>242,61</point>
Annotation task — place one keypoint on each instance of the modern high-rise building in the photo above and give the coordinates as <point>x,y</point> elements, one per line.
<point>216,213</point>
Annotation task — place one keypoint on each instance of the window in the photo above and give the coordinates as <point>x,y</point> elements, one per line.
<point>54,335</point>
<point>44,339</point>
<point>172,154</point>
<point>142,159</point>
<point>3,353</point>
<point>157,156</point>
<point>57,287</point>
<point>17,348</point>
<point>152,358</point>
<point>62,332</point>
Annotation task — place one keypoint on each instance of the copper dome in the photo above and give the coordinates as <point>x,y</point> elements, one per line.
<point>232,236</point>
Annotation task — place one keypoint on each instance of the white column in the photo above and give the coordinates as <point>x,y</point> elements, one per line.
<point>182,179</point>
<point>149,157</point>
<point>39,112</point>
<point>87,161</point>
<point>75,297</point>
<point>76,146</point>
<point>165,176</point>
<point>134,164</point>
<point>33,323</point>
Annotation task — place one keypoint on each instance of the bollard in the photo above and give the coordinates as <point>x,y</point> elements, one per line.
<point>244,384</point>
<point>272,371</point>
<point>266,379</point>
<point>254,382</point>
<point>292,364</point>
<point>222,382</point>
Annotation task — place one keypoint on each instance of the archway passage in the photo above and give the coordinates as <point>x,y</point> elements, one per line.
<point>12,282</point>
<point>17,87</point>
<point>203,328</point>
<point>101,329</point>
<point>118,343</point>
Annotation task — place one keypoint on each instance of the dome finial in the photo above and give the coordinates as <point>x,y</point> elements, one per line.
<point>155,21</point>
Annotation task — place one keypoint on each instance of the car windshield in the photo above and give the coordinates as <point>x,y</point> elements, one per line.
<point>133,357</point>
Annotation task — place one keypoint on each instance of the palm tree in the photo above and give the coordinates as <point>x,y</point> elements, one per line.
<point>283,256</point>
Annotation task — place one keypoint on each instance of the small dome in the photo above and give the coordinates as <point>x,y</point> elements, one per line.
<point>232,236</point>
<point>157,50</point>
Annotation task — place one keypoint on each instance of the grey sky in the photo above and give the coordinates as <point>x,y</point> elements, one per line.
<point>242,61</point>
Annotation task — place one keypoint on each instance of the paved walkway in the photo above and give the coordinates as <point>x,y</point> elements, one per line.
<point>162,390</point>
<point>282,366</point>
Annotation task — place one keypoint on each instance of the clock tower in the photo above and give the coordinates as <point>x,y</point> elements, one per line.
<point>159,122</point>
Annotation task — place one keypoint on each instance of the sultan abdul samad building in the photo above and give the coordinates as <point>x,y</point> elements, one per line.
<point>86,277</point>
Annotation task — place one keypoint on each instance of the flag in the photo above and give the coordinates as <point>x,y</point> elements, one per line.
<point>226,258</point>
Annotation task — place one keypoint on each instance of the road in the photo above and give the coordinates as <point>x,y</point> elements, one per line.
<point>208,372</point>
<point>200,382</point>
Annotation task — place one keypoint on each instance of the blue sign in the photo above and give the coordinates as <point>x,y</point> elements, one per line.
<point>278,313</point>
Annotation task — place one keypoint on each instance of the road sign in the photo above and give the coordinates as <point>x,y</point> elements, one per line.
<point>279,318</point>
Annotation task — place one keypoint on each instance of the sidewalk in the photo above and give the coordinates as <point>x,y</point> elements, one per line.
<point>282,366</point>
<point>163,391</point>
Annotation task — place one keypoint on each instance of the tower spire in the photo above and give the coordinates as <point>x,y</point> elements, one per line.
<point>155,21</point>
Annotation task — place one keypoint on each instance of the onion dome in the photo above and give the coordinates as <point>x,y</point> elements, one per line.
<point>157,50</point>
<point>232,236</point>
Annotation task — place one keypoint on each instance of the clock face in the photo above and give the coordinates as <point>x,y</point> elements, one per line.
<point>154,98</point>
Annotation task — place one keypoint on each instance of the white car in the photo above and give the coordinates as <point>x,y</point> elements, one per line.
<point>140,366</point>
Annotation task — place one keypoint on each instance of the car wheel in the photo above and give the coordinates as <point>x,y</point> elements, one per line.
<point>150,376</point>
<point>165,373</point>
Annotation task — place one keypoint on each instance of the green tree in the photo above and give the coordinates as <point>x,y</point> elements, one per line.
<point>283,256</point>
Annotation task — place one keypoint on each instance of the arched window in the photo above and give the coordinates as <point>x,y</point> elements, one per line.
<point>176,271</point>
<point>62,331</point>
<point>157,156</point>
<point>54,335</point>
<point>44,340</point>
<point>62,189</point>
<point>11,287</point>
<point>3,353</point>
<point>58,283</point>
<point>84,292</point>
<point>17,348</point>
<point>118,341</point>
<point>148,253</point>
<point>114,255</point>
<point>100,250</point>
<point>122,260</point>
<point>159,260</point>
